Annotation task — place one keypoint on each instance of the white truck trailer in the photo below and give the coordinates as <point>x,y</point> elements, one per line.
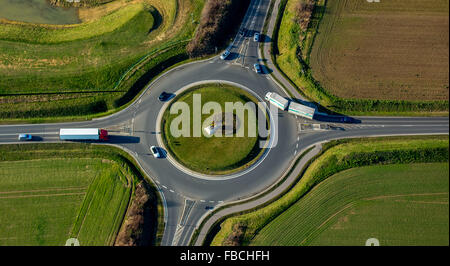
<point>277,100</point>
<point>83,134</point>
<point>301,110</point>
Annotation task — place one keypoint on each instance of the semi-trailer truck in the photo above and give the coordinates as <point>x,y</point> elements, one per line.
<point>301,110</point>
<point>277,100</point>
<point>294,108</point>
<point>83,134</point>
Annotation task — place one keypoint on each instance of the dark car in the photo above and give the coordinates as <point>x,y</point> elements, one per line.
<point>209,207</point>
<point>166,96</point>
<point>242,31</point>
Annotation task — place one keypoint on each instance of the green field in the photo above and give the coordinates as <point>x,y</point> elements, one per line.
<point>45,202</point>
<point>351,63</point>
<point>405,204</point>
<point>94,67</point>
<point>214,155</point>
<point>52,192</point>
<point>336,156</point>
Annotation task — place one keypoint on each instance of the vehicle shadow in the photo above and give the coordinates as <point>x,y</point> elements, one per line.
<point>265,70</point>
<point>336,119</point>
<point>323,116</point>
<point>116,139</point>
<point>162,153</point>
<point>166,97</point>
<point>232,56</point>
<point>265,39</point>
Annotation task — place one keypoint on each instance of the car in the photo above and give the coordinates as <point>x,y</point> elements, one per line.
<point>225,55</point>
<point>242,32</point>
<point>25,137</point>
<point>209,207</point>
<point>257,68</point>
<point>166,96</point>
<point>155,152</point>
<point>256,37</point>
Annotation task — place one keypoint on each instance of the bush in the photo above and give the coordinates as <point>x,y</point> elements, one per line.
<point>303,12</point>
<point>219,19</point>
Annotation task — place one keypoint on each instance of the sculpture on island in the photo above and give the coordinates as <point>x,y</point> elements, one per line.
<point>227,122</point>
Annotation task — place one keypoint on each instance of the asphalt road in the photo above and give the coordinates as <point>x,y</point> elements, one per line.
<point>187,198</point>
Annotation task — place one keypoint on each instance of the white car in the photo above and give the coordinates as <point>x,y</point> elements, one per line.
<point>155,152</point>
<point>256,37</point>
<point>25,137</point>
<point>225,55</point>
<point>257,68</point>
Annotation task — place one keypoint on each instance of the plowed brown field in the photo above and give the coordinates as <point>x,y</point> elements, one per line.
<point>394,49</point>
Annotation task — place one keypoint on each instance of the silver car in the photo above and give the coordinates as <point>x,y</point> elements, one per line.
<point>257,68</point>
<point>25,137</point>
<point>225,55</point>
<point>256,37</point>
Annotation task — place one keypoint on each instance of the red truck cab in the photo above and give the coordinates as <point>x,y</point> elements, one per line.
<point>103,134</point>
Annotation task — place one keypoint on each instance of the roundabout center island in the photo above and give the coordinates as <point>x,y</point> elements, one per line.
<point>212,129</point>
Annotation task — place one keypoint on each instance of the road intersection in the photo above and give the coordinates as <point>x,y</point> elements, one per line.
<point>187,199</point>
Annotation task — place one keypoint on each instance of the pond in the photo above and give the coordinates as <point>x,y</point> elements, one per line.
<point>37,11</point>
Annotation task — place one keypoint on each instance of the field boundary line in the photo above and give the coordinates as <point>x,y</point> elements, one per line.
<point>40,190</point>
<point>44,195</point>
<point>406,195</point>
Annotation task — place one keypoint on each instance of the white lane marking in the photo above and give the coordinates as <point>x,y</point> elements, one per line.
<point>171,191</point>
<point>202,201</point>
<point>33,133</point>
<point>177,235</point>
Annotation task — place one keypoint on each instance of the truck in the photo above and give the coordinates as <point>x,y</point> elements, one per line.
<point>83,134</point>
<point>277,100</point>
<point>301,110</point>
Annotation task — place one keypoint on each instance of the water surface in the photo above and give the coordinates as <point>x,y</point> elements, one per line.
<point>37,11</point>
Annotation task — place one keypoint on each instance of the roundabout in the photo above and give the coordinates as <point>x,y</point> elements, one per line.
<point>189,195</point>
<point>211,130</point>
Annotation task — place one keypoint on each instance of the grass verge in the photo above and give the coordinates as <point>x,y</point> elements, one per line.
<point>53,82</point>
